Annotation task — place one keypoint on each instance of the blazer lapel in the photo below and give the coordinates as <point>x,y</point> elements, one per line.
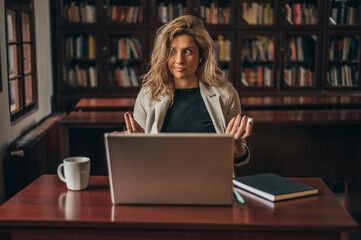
<point>160,110</point>
<point>213,106</point>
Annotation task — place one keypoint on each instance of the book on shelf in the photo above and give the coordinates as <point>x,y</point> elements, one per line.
<point>301,13</point>
<point>274,187</point>
<point>80,47</point>
<point>164,14</point>
<point>293,49</point>
<point>213,14</point>
<point>80,76</point>
<point>91,45</point>
<point>346,13</point>
<point>257,13</point>
<point>128,48</point>
<point>298,76</point>
<point>343,75</point>
<point>126,14</point>
<point>125,77</point>
<point>301,48</point>
<point>344,49</point>
<point>81,12</point>
<point>258,49</point>
<point>258,76</point>
<point>223,48</point>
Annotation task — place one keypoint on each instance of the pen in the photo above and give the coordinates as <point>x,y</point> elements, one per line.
<point>238,196</point>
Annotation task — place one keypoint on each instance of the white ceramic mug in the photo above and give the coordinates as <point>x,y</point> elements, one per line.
<point>76,172</point>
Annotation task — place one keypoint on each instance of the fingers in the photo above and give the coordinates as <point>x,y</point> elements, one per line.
<point>248,128</point>
<point>127,122</point>
<point>230,125</point>
<point>131,124</point>
<point>240,131</point>
<point>240,127</point>
<point>135,126</point>
<point>239,120</point>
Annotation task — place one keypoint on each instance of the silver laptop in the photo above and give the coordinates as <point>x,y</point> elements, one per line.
<point>170,168</point>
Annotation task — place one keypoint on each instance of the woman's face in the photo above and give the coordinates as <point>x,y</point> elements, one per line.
<point>184,61</point>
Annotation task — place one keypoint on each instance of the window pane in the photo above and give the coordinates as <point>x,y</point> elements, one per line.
<point>14,95</point>
<point>13,60</point>
<point>27,58</point>
<point>26,27</point>
<point>29,93</point>
<point>11,24</point>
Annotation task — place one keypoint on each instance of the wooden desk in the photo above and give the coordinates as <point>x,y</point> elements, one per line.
<point>105,104</point>
<point>248,103</point>
<point>46,210</point>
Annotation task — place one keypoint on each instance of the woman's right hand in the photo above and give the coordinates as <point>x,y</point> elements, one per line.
<point>131,124</point>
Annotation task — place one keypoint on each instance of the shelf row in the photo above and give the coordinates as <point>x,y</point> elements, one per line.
<point>223,13</point>
<point>252,61</point>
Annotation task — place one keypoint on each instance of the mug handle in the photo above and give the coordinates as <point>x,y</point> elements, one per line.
<point>60,174</point>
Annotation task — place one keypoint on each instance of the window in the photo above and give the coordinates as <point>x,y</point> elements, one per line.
<point>21,56</point>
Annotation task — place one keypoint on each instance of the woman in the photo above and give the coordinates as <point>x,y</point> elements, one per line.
<point>184,90</point>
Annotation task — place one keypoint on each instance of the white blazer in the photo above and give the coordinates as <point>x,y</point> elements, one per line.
<point>221,102</point>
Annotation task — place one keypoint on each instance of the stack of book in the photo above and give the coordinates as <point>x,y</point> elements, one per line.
<point>79,12</point>
<point>273,187</point>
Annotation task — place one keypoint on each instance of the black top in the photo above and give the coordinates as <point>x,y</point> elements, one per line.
<point>188,113</point>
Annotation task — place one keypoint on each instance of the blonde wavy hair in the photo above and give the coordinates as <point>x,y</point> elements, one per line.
<point>159,80</point>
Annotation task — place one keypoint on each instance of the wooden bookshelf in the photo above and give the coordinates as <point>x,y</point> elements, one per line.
<point>269,47</point>
<point>102,45</point>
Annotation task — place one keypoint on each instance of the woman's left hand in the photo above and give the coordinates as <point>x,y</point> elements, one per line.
<point>241,128</point>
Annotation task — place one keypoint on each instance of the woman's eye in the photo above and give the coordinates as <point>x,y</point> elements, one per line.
<point>188,51</point>
<point>172,52</point>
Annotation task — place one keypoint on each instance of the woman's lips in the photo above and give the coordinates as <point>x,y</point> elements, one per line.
<point>179,69</point>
